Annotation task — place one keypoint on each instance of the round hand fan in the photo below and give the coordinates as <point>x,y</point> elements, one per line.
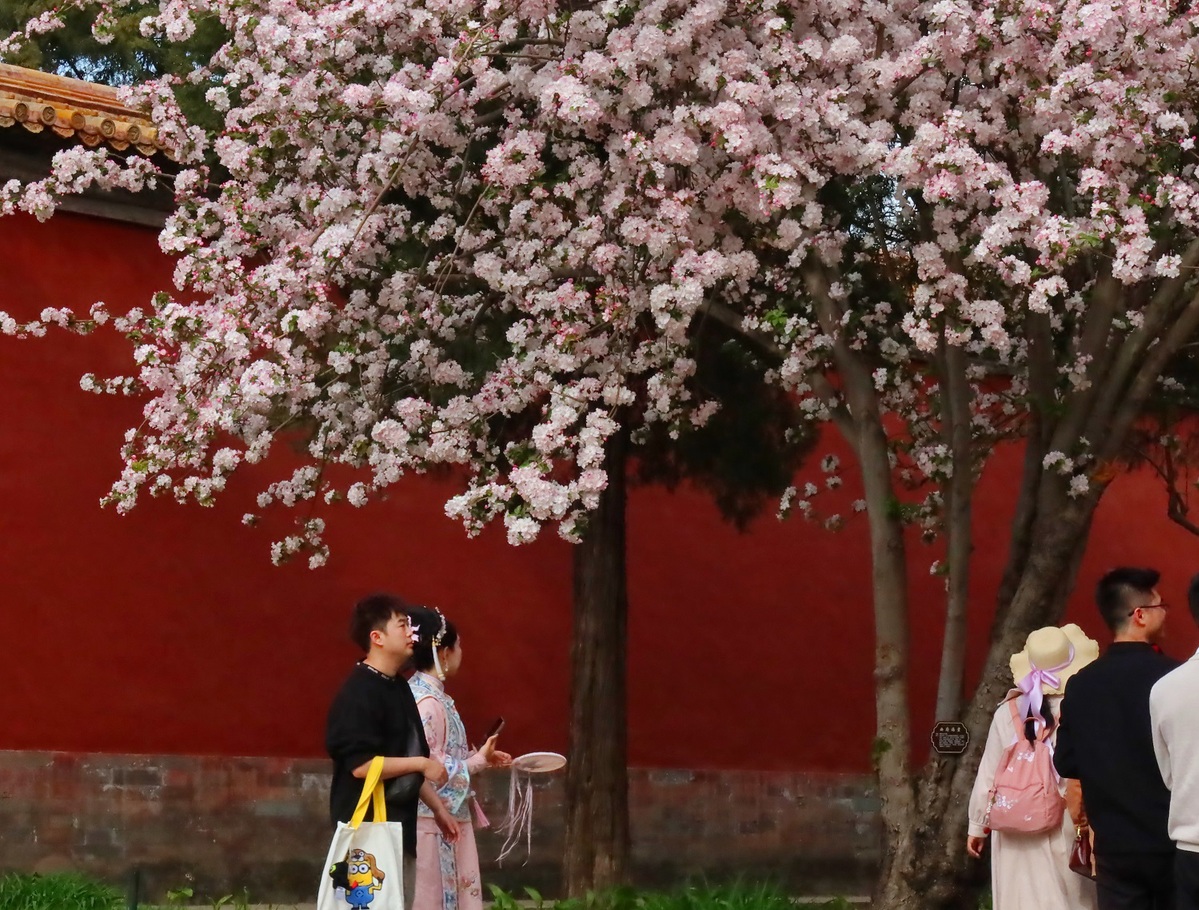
<point>519,824</point>
<point>539,762</point>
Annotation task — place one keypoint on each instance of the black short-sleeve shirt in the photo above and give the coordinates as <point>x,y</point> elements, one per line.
<point>373,714</point>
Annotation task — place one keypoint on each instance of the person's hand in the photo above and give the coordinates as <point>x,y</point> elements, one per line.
<point>974,846</point>
<point>494,757</point>
<point>446,823</point>
<point>435,772</point>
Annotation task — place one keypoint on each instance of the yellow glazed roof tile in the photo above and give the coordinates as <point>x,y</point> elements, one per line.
<point>73,108</point>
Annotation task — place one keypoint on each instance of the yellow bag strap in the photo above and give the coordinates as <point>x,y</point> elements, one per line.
<point>372,792</point>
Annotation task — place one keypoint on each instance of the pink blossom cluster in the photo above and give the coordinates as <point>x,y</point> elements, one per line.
<point>486,233</point>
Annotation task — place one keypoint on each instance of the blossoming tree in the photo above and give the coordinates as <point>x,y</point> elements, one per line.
<point>485,233</point>
<point>452,287</point>
<point>999,241</point>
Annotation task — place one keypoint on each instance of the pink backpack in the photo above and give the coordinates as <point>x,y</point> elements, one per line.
<point>1025,798</point>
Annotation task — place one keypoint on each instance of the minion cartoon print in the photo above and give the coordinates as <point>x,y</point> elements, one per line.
<point>358,877</point>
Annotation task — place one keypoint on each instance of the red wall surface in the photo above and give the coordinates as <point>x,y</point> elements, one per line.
<point>169,631</point>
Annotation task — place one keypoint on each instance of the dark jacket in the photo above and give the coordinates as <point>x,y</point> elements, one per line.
<point>1104,740</point>
<point>374,715</point>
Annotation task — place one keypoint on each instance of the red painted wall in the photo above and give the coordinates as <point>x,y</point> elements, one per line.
<point>169,631</point>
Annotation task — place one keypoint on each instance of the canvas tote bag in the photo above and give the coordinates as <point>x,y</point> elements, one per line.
<point>365,866</point>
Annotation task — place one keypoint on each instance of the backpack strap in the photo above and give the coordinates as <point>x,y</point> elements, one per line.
<point>1045,732</point>
<point>1014,705</point>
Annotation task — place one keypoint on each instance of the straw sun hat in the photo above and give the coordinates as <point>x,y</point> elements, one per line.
<point>1058,653</point>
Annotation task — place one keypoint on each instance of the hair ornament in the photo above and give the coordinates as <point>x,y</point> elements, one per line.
<point>437,639</point>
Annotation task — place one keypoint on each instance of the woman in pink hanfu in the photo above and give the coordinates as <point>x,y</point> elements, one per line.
<point>1032,871</point>
<point>447,860</point>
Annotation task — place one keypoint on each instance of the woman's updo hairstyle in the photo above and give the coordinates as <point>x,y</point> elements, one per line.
<point>433,631</point>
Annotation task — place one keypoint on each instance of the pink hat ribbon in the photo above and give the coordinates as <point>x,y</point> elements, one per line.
<point>1031,697</point>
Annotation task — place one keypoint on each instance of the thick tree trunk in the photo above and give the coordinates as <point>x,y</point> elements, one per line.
<point>959,510</point>
<point>597,811</point>
<point>861,421</point>
<point>892,744</point>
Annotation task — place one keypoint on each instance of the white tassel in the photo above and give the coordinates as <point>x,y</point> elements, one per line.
<point>520,819</point>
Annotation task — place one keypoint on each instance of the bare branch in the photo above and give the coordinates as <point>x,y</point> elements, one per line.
<point>1177,511</point>
<point>1177,507</point>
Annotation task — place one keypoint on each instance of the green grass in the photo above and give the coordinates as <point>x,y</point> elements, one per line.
<point>64,891</point>
<point>185,897</point>
<point>74,892</point>
<point>691,897</point>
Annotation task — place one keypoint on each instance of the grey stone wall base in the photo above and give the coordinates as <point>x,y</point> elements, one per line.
<point>221,825</point>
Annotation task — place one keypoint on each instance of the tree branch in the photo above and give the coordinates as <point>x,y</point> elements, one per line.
<point>1157,316</point>
<point>888,560</point>
<point>956,432</point>
<point>1094,345</point>
<point>1042,372</point>
<point>1133,404</point>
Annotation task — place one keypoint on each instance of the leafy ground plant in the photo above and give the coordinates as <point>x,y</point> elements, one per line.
<point>186,897</point>
<point>65,891</point>
<point>740,896</point>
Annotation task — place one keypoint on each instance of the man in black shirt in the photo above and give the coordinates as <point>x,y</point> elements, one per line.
<point>1105,741</point>
<point>374,714</point>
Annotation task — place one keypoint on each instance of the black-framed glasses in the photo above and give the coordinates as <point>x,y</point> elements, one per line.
<point>1161,606</point>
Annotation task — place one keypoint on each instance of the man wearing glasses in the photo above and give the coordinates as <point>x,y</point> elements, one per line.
<point>1172,707</point>
<point>1106,742</point>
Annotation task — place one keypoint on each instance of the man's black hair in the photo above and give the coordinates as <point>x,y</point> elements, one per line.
<point>1121,590</point>
<point>372,614</point>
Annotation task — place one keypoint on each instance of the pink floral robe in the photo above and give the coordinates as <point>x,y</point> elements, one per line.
<point>447,875</point>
